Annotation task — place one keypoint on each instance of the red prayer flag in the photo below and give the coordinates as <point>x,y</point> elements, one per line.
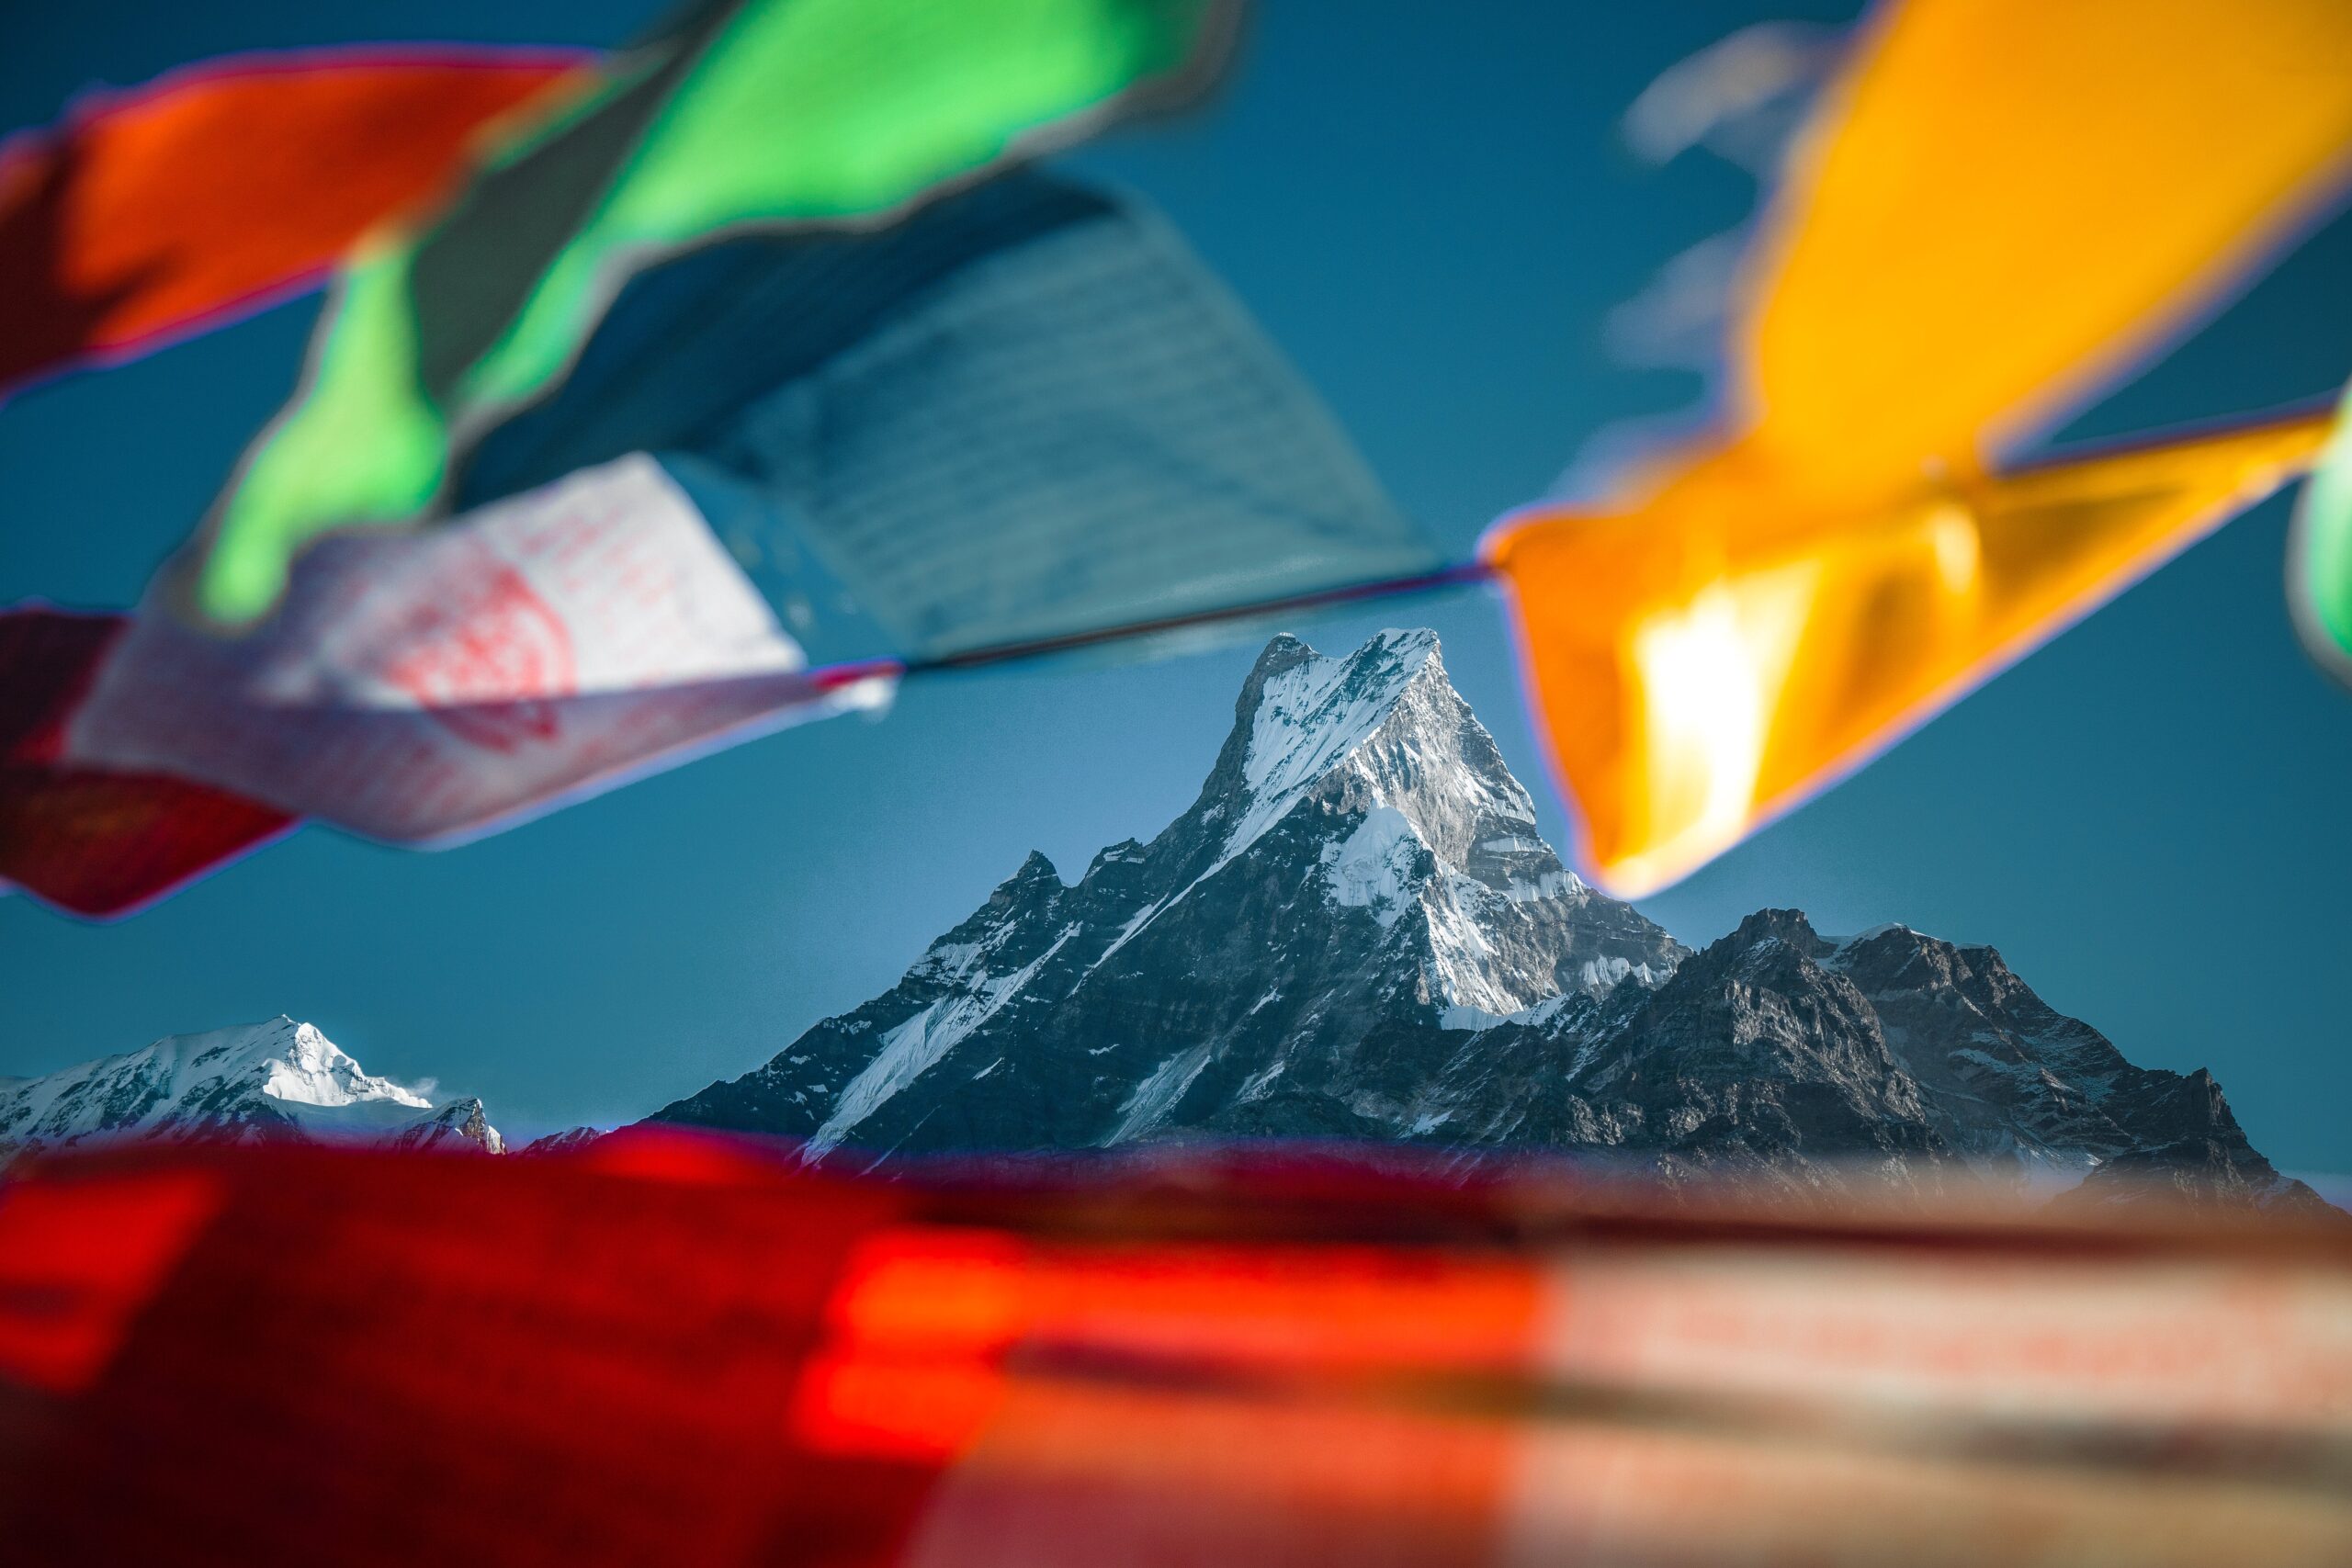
<point>159,211</point>
<point>675,1349</point>
<point>91,841</point>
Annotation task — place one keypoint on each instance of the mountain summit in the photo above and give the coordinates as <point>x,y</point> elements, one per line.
<point>270,1080</point>
<point>1356,932</point>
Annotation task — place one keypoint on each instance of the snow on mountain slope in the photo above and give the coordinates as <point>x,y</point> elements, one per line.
<point>274,1079</point>
<point>1356,931</point>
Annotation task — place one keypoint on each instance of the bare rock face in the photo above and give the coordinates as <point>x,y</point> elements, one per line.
<point>1902,1056</point>
<point>1356,932</point>
<point>461,1125</point>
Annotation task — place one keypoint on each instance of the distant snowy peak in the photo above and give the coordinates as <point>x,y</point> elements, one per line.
<point>274,1079</point>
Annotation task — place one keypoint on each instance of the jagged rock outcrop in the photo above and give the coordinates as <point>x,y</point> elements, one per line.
<point>1359,886</point>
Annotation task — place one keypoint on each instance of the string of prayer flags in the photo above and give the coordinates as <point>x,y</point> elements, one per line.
<point>1024,413</point>
<point>95,840</point>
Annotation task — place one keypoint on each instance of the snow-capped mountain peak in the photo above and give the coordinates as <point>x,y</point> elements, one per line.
<point>1311,714</point>
<point>277,1078</point>
<point>1358,851</point>
<point>1385,714</point>
<point>311,1070</point>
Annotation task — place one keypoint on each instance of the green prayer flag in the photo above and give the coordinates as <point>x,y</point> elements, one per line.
<point>745,113</point>
<point>2319,556</point>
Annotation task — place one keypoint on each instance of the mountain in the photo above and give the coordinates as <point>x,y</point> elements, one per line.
<point>1361,877</point>
<point>1781,1050</point>
<point>1356,932</point>
<point>276,1080</point>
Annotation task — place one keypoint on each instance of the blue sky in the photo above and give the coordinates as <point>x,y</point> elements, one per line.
<point>1430,210</point>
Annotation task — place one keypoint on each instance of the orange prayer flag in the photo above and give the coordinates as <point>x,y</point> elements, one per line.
<point>2016,198</point>
<point>1700,671</point>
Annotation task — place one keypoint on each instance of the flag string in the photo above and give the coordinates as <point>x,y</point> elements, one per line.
<point>1460,574</point>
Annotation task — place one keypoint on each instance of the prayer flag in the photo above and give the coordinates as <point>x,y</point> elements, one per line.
<point>426,688</point>
<point>161,210</point>
<point>1025,412</point>
<point>684,1350</point>
<point>2319,558</point>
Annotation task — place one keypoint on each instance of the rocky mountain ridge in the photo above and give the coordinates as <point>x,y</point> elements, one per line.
<point>1356,932</point>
